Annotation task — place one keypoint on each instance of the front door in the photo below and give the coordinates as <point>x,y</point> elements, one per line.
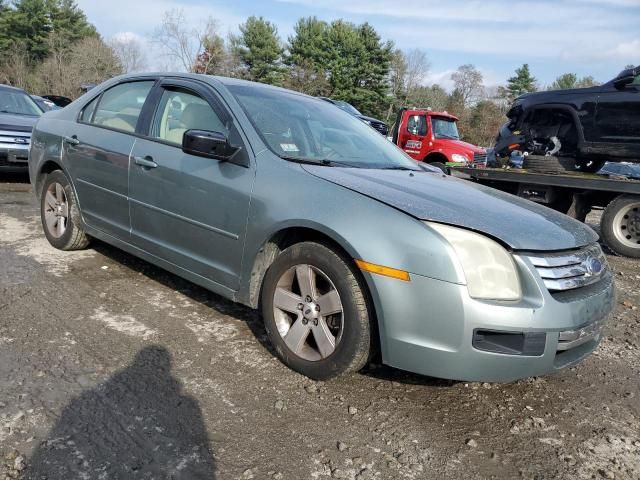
<point>190,210</point>
<point>96,154</point>
<point>617,120</point>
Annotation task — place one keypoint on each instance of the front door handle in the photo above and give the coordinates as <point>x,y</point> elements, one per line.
<point>73,140</point>
<point>146,162</point>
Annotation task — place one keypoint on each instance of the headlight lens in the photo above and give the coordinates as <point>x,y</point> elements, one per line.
<point>489,269</point>
<point>456,157</point>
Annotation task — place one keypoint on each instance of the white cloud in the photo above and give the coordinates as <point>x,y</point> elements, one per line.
<point>627,51</point>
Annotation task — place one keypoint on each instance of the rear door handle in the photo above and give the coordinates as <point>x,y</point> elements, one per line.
<point>72,140</point>
<point>145,162</point>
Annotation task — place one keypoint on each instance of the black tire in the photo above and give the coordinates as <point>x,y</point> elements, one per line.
<point>590,166</point>
<point>73,237</point>
<point>353,350</point>
<point>446,170</point>
<point>621,237</point>
<point>548,164</point>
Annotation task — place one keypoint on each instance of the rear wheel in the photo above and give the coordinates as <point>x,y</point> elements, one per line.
<point>60,214</point>
<point>620,225</point>
<point>315,312</point>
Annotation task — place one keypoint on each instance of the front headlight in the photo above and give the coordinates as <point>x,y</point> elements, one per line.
<point>456,157</point>
<point>489,270</point>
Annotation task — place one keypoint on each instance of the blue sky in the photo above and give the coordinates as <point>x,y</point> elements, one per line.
<point>586,37</point>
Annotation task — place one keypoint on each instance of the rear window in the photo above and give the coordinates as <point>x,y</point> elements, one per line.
<point>120,106</point>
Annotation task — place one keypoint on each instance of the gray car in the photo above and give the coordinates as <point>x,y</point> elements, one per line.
<point>285,203</point>
<point>18,115</point>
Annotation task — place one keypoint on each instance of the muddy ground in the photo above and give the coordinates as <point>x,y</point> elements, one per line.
<point>111,368</point>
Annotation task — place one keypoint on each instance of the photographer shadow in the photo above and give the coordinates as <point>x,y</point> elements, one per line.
<point>138,424</point>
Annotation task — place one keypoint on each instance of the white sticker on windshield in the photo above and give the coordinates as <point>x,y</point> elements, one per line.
<point>289,147</point>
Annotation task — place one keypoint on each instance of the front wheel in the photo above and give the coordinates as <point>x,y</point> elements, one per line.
<point>620,225</point>
<point>315,312</point>
<point>60,214</point>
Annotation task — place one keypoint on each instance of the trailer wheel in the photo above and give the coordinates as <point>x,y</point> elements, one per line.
<point>548,164</point>
<point>620,225</point>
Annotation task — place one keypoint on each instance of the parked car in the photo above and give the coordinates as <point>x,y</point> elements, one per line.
<point>433,137</point>
<point>58,100</point>
<point>379,125</point>
<point>44,104</point>
<point>280,201</point>
<point>589,125</point>
<point>18,114</point>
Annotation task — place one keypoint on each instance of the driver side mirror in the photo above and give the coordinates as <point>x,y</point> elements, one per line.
<point>204,143</point>
<point>625,78</point>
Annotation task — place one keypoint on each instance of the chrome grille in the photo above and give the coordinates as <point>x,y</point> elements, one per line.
<point>569,270</point>
<point>479,158</point>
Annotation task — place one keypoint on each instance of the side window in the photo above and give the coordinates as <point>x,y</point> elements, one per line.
<point>87,111</point>
<point>179,111</point>
<point>120,106</point>
<point>636,82</point>
<point>417,125</point>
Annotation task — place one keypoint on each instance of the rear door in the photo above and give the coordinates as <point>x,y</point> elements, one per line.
<point>96,154</point>
<point>190,210</point>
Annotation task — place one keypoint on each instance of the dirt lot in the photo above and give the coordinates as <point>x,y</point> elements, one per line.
<point>111,368</point>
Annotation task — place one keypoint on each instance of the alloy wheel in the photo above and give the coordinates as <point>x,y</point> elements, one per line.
<point>308,312</point>
<point>56,210</point>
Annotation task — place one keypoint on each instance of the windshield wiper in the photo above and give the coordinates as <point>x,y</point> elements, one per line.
<point>450,137</point>
<point>312,161</point>
<point>398,167</point>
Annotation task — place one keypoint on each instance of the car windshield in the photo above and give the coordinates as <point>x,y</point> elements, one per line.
<point>301,128</point>
<point>445,128</point>
<point>347,107</point>
<point>18,103</point>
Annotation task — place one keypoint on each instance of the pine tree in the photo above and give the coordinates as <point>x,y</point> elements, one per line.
<point>258,47</point>
<point>522,82</point>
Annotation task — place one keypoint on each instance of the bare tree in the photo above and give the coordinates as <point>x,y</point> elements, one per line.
<point>15,68</point>
<point>468,81</point>
<point>89,60</point>
<point>182,42</point>
<point>417,68</point>
<point>408,71</point>
<point>130,52</point>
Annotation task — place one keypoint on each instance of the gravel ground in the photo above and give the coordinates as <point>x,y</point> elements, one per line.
<point>113,369</point>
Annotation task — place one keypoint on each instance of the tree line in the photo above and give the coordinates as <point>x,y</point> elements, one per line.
<point>49,47</point>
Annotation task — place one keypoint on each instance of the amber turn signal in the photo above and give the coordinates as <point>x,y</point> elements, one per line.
<point>382,270</point>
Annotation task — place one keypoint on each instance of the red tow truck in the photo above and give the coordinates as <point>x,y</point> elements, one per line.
<point>433,137</point>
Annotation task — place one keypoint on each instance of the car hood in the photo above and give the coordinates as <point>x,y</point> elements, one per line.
<point>465,145</point>
<point>518,223</point>
<point>17,123</point>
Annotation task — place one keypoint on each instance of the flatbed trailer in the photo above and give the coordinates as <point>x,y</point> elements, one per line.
<point>575,194</point>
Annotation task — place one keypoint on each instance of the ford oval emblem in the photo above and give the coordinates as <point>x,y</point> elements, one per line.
<point>594,266</point>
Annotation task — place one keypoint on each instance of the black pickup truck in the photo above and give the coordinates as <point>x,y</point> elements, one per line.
<point>573,129</point>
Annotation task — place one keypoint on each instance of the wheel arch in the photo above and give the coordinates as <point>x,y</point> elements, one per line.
<point>282,238</point>
<point>289,235</point>
<point>47,167</point>
<point>436,157</point>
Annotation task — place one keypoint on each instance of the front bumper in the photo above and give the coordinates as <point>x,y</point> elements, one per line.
<point>14,156</point>
<point>427,326</point>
